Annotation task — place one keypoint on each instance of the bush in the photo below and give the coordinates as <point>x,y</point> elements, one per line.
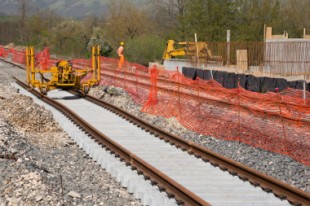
<point>144,49</point>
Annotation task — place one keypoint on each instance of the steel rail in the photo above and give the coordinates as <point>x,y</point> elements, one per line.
<point>280,189</point>
<point>182,195</point>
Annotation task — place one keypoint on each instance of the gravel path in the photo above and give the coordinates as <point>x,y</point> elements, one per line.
<point>91,190</point>
<point>40,164</point>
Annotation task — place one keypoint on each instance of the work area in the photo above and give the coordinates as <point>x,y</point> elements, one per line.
<point>133,102</point>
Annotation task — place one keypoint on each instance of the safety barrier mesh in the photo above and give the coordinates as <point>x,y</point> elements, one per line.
<point>277,122</point>
<point>42,59</point>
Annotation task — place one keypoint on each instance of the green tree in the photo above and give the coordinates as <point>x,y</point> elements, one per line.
<point>253,15</point>
<point>68,38</point>
<point>145,49</point>
<point>126,21</point>
<point>99,38</point>
<point>169,17</point>
<point>209,19</point>
<point>39,28</point>
<point>295,16</point>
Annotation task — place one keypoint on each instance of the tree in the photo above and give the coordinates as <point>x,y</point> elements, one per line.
<point>252,15</point>
<point>98,38</point>
<point>8,31</point>
<point>23,14</point>
<point>295,16</point>
<point>145,49</point>
<point>40,28</point>
<point>209,18</point>
<point>126,22</point>
<point>169,16</point>
<point>68,38</point>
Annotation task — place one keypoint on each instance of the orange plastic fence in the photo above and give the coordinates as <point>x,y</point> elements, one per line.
<point>42,59</point>
<point>268,121</point>
<point>4,52</point>
<point>277,122</point>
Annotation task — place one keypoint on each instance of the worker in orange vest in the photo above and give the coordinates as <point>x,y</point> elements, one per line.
<point>120,53</point>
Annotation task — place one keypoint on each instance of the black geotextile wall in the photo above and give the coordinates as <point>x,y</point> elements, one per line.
<point>249,82</point>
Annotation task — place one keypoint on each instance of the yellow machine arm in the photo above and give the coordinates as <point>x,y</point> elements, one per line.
<point>62,75</point>
<point>171,51</point>
<point>188,49</point>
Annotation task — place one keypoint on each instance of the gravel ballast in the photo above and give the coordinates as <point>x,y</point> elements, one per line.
<point>40,164</point>
<point>47,146</point>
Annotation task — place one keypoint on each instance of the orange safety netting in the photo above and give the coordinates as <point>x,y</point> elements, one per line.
<point>15,55</point>
<point>18,56</point>
<point>277,122</point>
<point>4,52</point>
<point>42,59</point>
<point>268,121</point>
<point>134,78</point>
<point>1,51</point>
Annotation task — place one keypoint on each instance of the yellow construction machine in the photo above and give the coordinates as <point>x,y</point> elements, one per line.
<point>62,76</point>
<point>189,49</point>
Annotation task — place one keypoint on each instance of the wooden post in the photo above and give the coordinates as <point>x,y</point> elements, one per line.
<point>242,59</point>
<point>264,33</point>
<point>197,56</point>
<point>268,33</point>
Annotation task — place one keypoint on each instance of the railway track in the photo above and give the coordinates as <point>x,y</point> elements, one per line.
<point>201,178</point>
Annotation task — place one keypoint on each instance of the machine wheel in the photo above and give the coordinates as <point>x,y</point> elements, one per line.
<point>86,90</point>
<point>43,90</point>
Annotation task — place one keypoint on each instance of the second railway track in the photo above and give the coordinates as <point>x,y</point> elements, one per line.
<point>198,178</point>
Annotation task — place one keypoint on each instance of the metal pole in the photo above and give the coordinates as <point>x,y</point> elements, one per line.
<point>93,58</point>
<point>27,64</point>
<point>304,88</point>
<point>98,63</point>
<point>264,48</point>
<point>228,48</point>
<point>32,64</point>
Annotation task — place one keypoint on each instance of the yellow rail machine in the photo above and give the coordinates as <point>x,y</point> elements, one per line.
<point>62,76</point>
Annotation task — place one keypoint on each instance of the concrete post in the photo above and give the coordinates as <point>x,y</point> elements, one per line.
<point>228,48</point>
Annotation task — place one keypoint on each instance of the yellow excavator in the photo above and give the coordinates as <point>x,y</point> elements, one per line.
<point>188,49</point>
<point>62,76</point>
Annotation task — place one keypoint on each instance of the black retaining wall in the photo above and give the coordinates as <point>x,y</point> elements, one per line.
<point>249,82</point>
